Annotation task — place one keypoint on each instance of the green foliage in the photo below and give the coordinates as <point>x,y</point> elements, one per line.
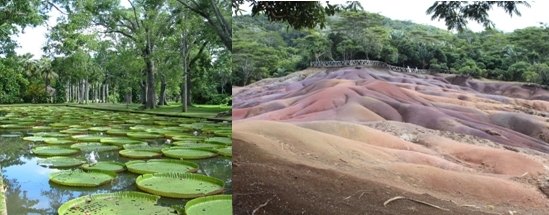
<point>516,71</point>
<point>36,93</point>
<point>10,85</point>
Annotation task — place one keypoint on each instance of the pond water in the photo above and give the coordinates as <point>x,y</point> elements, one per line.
<point>29,190</point>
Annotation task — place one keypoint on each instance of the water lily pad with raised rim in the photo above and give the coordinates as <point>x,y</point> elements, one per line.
<point>180,185</point>
<point>119,132</point>
<point>226,151</point>
<point>218,204</point>
<point>10,135</point>
<point>88,138</point>
<point>60,162</point>
<point>188,138</point>
<point>74,131</point>
<point>59,141</point>
<point>139,154</point>
<point>99,129</point>
<point>54,150</point>
<point>106,165</point>
<point>41,128</point>
<point>144,135</point>
<point>79,178</point>
<point>50,134</point>
<point>60,125</point>
<point>198,145</point>
<point>222,140</point>
<point>98,147</point>
<point>38,139</point>
<point>187,153</point>
<point>14,126</point>
<point>161,165</point>
<point>145,147</point>
<point>115,203</point>
<point>119,141</point>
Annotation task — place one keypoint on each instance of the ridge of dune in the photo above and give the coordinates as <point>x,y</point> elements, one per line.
<point>453,138</point>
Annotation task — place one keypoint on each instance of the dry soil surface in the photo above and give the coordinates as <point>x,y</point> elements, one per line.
<point>345,141</point>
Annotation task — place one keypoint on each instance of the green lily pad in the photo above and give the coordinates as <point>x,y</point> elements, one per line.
<point>222,140</point>
<point>88,138</point>
<point>58,141</point>
<point>54,150</point>
<point>144,135</point>
<point>10,135</point>
<point>119,141</point>
<point>120,132</point>
<point>98,147</point>
<point>38,139</point>
<point>197,145</point>
<point>144,147</point>
<point>115,203</point>
<point>139,154</point>
<point>218,204</point>
<point>14,126</point>
<point>180,185</point>
<point>41,128</point>
<point>223,133</point>
<point>74,131</point>
<point>161,165</point>
<point>60,161</point>
<point>186,153</point>
<point>79,178</point>
<point>50,134</point>
<point>226,151</point>
<point>99,129</point>
<point>106,165</point>
<point>60,125</point>
<point>188,138</point>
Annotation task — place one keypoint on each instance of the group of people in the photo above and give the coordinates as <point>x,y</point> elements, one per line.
<point>410,70</point>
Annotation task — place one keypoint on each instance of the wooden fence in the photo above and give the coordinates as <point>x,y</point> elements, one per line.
<point>373,63</point>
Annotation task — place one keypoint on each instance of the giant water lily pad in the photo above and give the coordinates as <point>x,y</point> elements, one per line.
<point>161,165</point>
<point>54,150</point>
<point>88,138</point>
<point>180,185</point>
<point>60,161</point>
<point>188,138</point>
<point>14,126</point>
<point>144,147</point>
<point>10,135</point>
<point>41,128</point>
<point>226,151</point>
<point>119,141</point>
<point>198,145</point>
<point>99,129</point>
<point>38,139</point>
<point>127,202</point>
<point>79,178</point>
<point>106,165</point>
<point>115,131</point>
<point>188,153</point>
<point>139,154</point>
<point>60,125</point>
<point>98,147</point>
<point>74,131</point>
<point>50,134</point>
<point>144,135</point>
<point>55,141</point>
<point>218,204</point>
<point>222,140</point>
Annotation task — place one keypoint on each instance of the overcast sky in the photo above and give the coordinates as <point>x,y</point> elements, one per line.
<point>34,38</point>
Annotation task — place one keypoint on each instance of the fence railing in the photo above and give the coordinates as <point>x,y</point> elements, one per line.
<point>373,63</point>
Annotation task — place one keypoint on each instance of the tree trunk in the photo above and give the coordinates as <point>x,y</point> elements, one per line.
<point>67,92</point>
<point>87,91</point>
<point>188,85</point>
<point>151,95</point>
<point>107,93</point>
<point>144,91</point>
<point>162,97</point>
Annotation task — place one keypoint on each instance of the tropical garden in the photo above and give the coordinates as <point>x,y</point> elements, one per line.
<point>269,46</point>
<point>145,52</point>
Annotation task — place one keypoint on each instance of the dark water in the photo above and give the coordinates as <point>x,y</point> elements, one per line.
<point>30,191</point>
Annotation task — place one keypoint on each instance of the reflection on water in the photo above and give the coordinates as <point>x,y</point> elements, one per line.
<point>30,191</point>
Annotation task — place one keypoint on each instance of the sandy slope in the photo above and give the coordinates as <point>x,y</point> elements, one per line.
<point>462,144</point>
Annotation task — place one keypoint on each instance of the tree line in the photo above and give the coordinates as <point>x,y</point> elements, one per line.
<point>122,51</point>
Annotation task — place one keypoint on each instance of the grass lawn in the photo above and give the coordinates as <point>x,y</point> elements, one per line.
<point>203,111</point>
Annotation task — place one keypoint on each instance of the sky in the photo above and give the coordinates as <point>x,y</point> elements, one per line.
<point>34,38</point>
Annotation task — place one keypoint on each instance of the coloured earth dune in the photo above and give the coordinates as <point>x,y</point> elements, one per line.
<point>346,140</point>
